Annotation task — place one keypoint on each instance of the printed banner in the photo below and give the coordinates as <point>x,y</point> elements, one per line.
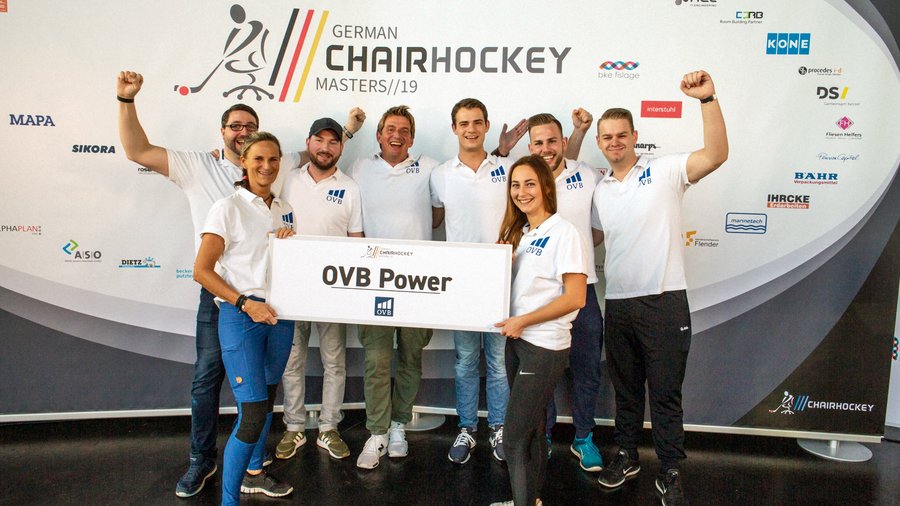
<point>390,282</point>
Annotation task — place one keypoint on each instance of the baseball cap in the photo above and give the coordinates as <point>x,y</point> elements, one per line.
<point>326,124</point>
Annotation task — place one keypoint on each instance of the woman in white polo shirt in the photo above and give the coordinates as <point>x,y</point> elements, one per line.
<point>255,344</point>
<point>548,289</point>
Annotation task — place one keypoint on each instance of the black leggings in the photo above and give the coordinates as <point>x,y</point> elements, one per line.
<point>533,373</point>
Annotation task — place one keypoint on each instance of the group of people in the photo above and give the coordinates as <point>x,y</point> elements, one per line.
<point>550,208</point>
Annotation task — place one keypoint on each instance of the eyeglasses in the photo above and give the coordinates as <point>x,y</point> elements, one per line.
<point>237,127</point>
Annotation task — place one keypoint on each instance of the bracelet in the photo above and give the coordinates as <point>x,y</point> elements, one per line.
<point>239,304</point>
<point>125,100</point>
<point>708,99</point>
<point>348,133</point>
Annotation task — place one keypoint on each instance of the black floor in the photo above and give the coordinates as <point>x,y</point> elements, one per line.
<point>138,461</point>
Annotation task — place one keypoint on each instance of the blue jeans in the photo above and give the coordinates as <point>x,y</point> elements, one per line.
<point>584,363</point>
<point>208,375</point>
<point>468,380</point>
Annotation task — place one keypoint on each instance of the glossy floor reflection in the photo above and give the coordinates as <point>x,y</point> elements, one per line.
<point>138,461</point>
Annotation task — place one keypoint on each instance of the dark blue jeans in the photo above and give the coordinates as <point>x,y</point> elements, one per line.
<point>209,372</point>
<point>584,365</point>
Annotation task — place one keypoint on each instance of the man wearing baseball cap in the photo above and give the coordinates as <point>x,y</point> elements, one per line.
<point>326,202</point>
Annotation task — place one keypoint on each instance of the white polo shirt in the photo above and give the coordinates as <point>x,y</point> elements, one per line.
<point>244,221</point>
<point>542,257</point>
<point>330,207</point>
<point>474,201</point>
<point>396,201</point>
<point>204,180</point>
<point>574,196</point>
<point>641,220</point>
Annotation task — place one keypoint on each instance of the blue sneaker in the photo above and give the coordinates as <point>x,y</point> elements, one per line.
<point>193,480</point>
<point>462,447</point>
<point>587,453</point>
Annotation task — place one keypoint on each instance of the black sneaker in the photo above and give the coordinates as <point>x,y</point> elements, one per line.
<point>496,440</point>
<point>620,469</point>
<point>669,485</point>
<point>462,447</point>
<point>264,483</point>
<point>193,480</point>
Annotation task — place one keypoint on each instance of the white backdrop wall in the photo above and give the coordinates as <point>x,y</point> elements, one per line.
<point>95,272</point>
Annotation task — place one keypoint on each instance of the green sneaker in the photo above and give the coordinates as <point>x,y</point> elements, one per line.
<point>331,441</point>
<point>289,444</point>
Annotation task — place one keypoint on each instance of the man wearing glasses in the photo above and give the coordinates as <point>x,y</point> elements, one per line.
<point>204,178</point>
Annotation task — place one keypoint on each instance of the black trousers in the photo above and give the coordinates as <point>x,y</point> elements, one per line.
<point>647,341</point>
<point>532,373</point>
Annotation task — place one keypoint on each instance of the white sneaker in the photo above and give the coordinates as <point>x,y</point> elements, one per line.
<point>375,447</point>
<point>398,447</point>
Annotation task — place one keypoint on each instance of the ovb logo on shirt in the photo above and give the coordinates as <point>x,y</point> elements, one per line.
<point>414,168</point>
<point>336,196</point>
<point>498,175</point>
<point>574,182</point>
<point>537,246</point>
<point>644,178</point>
<point>384,306</point>
<point>287,220</point>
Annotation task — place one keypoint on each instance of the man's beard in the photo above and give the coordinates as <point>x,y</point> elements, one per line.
<point>314,160</point>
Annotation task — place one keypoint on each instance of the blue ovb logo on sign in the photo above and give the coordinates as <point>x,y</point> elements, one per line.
<point>384,306</point>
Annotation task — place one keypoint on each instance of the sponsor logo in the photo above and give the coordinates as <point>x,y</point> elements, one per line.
<point>336,196</point>
<point>841,157</point>
<point>23,229</point>
<point>697,3</point>
<point>413,168</point>
<point>780,201</point>
<point>93,149</point>
<point>834,95</point>
<point>746,223</point>
<point>815,178</point>
<point>619,70</point>
<point>791,404</point>
<point>824,71</point>
<point>691,239</point>
<point>537,246</point>
<point>384,306</point>
<point>660,109</point>
<point>146,263</point>
<point>574,182</point>
<point>744,18</point>
<point>894,348</point>
<point>287,220</point>
<point>644,147</point>
<point>144,171</point>
<point>787,43</point>
<point>184,273</point>
<point>3,6</point>
<point>378,251</point>
<point>844,123</point>
<point>74,253</point>
<point>645,178</point>
<point>498,175</point>
<point>834,92</point>
<point>31,120</point>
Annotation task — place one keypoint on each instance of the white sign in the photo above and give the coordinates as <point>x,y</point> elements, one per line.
<point>437,285</point>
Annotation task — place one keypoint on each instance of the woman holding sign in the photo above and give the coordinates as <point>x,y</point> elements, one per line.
<point>255,344</point>
<point>548,289</point>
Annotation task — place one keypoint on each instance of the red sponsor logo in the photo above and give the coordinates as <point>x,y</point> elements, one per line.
<point>2,5</point>
<point>660,109</point>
